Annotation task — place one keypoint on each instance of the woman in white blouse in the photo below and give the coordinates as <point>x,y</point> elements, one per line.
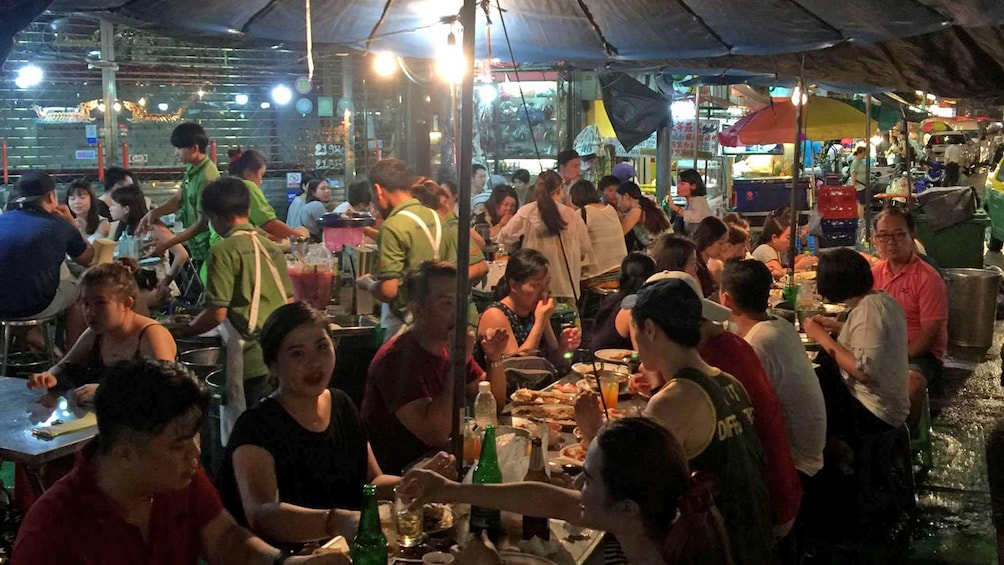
<point>604,227</point>
<point>555,230</point>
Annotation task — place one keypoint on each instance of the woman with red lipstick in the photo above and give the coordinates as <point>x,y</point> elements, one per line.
<point>114,333</point>
<point>296,463</point>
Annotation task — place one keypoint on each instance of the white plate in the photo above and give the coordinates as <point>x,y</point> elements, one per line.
<point>615,356</point>
<point>517,558</point>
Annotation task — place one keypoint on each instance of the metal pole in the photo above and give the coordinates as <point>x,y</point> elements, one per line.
<point>108,68</point>
<point>663,162</point>
<point>697,125</point>
<point>868,168</point>
<point>796,175</point>
<point>350,119</point>
<point>458,352</point>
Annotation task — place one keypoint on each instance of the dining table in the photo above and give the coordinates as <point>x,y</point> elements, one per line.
<point>22,415</point>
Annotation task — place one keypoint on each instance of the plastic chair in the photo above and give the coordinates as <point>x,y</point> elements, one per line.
<point>46,325</point>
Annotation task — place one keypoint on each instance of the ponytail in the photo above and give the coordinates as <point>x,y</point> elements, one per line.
<point>548,183</point>
<point>698,534</point>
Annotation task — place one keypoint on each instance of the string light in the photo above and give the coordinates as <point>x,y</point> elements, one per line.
<point>451,63</point>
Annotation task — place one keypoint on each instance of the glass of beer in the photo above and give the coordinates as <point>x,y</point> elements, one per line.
<point>409,520</point>
<point>609,388</point>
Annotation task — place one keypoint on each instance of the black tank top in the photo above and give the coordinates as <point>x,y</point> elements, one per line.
<point>89,372</point>
<point>520,326</point>
<point>736,458</point>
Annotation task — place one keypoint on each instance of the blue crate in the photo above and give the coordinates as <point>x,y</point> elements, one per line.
<point>835,227</point>
<point>767,195</point>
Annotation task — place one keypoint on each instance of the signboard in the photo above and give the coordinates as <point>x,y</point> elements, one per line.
<point>325,106</point>
<point>85,155</point>
<point>685,137</point>
<point>294,180</point>
<point>138,158</point>
<point>91,132</point>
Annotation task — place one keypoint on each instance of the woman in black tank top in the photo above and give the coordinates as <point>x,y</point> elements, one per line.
<point>524,308</point>
<point>114,333</point>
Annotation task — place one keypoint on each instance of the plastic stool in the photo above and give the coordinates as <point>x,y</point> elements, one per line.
<point>47,326</point>
<point>921,445</point>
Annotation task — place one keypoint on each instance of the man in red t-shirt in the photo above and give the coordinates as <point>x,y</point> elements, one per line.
<point>408,404</point>
<point>140,496</point>
<point>921,292</point>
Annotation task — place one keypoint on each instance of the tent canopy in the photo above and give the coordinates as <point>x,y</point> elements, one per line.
<point>949,47</point>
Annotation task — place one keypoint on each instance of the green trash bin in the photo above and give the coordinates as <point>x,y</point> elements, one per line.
<point>955,247</point>
<point>994,203</point>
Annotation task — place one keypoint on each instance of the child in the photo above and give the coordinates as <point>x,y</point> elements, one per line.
<point>246,282</point>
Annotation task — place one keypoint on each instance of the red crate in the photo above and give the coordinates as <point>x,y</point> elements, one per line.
<point>837,202</point>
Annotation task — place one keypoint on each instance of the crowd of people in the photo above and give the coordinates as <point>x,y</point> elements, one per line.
<point>733,433</point>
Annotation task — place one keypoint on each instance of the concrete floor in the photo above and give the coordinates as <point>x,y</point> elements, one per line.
<point>953,523</point>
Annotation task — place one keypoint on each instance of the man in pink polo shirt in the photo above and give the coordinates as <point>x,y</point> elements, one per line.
<point>921,293</point>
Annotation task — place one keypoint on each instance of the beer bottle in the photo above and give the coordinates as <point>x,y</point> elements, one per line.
<point>534,525</point>
<point>486,472</point>
<point>369,546</point>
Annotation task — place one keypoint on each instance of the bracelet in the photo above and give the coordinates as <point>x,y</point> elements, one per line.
<point>282,556</point>
<point>496,364</point>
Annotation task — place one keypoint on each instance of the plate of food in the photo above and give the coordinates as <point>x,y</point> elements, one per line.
<point>561,414</point>
<point>437,518</point>
<point>618,356</point>
<point>805,276</point>
<point>586,369</point>
<point>566,388</point>
<point>576,452</point>
<point>527,396</point>
<point>589,384</point>
<point>554,438</point>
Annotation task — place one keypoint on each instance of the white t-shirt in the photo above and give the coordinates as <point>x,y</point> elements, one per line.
<point>343,208</point>
<point>607,238</point>
<point>780,350</point>
<point>697,209</point>
<point>953,153</point>
<point>765,254</point>
<point>875,333</point>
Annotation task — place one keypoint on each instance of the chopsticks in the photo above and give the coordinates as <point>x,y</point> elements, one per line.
<point>599,388</point>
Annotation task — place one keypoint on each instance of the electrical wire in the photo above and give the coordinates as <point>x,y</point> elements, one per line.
<point>526,109</point>
<point>376,27</point>
<point>607,46</point>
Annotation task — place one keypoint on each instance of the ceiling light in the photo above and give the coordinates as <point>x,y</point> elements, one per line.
<point>451,64</point>
<point>162,106</point>
<point>28,76</point>
<point>265,105</point>
<point>282,95</point>
<point>241,99</point>
<point>384,64</point>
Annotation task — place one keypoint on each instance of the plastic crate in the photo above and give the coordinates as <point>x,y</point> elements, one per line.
<point>767,195</point>
<point>837,240</point>
<point>837,202</point>
<point>839,227</point>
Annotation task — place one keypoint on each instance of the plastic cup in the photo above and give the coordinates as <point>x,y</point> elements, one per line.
<point>312,284</point>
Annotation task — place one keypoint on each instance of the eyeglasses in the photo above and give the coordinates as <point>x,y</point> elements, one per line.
<point>887,237</point>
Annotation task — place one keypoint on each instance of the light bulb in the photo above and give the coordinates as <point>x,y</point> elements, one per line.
<point>384,64</point>
<point>798,98</point>
<point>451,64</point>
<point>28,76</point>
<point>282,94</point>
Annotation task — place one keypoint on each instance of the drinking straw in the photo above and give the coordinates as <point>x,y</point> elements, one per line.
<point>599,387</point>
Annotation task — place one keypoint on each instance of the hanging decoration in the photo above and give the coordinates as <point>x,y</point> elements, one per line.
<point>310,44</point>
<point>140,115</point>
<point>63,115</point>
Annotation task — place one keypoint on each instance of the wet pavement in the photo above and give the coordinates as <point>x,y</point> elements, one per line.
<point>953,523</point>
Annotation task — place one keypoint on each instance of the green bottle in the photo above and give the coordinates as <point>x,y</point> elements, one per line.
<point>487,472</point>
<point>369,546</point>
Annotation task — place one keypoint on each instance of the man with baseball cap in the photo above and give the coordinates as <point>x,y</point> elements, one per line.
<point>36,234</point>
<point>707,409</point>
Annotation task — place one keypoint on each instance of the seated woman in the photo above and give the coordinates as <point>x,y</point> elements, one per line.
<point>523,305</point>
<point>315,205</point>
<point>869,395</point>
<point>83,203</point>
<point>673,252</point>
<point>296,464</point>
<point>642,221</point>
<point>114,333</point>
<point>774,240</point>
<point>499,209</point>
<point>127,208</point>
<point>671,520</point>
<point>711,238</point>
<point>635,269</point>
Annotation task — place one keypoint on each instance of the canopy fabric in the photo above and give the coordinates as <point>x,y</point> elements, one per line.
<point>826,119</point>
<point>947,47</point>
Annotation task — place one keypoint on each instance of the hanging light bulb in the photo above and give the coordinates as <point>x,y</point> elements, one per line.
<point>384,64</point>
<point>799,98</point>
<point>451,64</point>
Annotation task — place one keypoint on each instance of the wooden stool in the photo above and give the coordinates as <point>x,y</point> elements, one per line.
<point>46,325</point>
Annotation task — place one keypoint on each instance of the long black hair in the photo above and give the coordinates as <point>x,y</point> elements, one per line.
<point>129,195</point>
<point>654,220</point>
<point>83,186</point>
<point>523,265</point>
<point>582,193</point>
<point>499,194</point>
<point>548,183</point>
<point>247,161</point>
<point>709,231</point>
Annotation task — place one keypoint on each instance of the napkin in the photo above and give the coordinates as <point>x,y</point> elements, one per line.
<point>89,420</point>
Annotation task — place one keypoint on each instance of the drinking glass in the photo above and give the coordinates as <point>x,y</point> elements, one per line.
<point>409,520</point>
<point>388,524</point>
<point>609,388</point>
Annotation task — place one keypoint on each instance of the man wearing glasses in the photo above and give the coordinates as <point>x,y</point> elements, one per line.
<point>921,293</point>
